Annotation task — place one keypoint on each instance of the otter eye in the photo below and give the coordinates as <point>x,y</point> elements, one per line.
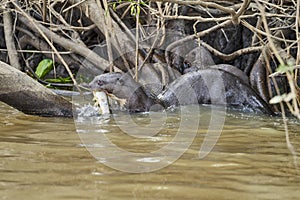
<point>120,81</point>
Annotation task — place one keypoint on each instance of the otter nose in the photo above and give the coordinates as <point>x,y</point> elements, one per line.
<point>100,82</point>
<point>92,85</point>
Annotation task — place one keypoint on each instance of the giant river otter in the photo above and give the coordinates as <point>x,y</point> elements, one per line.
<point>123,87</point>
<point>210,86</point>
<point>213,86</point>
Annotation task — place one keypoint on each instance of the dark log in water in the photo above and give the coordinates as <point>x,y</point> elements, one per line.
<point>27,95</point>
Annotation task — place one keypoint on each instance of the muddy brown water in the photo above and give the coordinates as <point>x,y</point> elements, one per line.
<point>44,158</point>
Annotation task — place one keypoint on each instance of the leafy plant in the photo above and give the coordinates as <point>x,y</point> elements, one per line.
<point>135,6</point>
<point>43,68</point>
<point>291,99</point>
<point>59,80</point>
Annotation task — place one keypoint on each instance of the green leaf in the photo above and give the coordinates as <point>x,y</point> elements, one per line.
<point>289,97</point>
<point>114,6</point>
<point>138,10</point>
<point>143,3</point>
<point>284,97</point>
<point>132,10</point>
<point>44,67</point>
<point>285,68</point>
<point>59,80</point>
<point>277,99</point>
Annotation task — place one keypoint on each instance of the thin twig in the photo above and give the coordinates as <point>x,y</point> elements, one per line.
<point>194,36</point>
<point>9,39</point>
<point>108,31</point>
<point>202,3</point>
<point>137,18</point>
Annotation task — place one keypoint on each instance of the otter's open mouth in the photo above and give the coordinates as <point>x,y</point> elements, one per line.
<point>103,99</point>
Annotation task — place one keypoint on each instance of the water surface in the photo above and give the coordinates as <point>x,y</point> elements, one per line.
<point>44,158</point>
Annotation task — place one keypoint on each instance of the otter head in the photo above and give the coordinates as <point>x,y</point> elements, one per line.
<point>106,82</point>
<point>123,86</point>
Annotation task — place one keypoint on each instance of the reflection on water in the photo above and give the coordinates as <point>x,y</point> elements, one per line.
<point>43,158</point>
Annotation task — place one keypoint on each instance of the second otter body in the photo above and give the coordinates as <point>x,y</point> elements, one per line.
<point>213,86</point>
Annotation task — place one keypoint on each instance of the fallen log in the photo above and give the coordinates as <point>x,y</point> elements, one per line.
<point>27,95</point>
